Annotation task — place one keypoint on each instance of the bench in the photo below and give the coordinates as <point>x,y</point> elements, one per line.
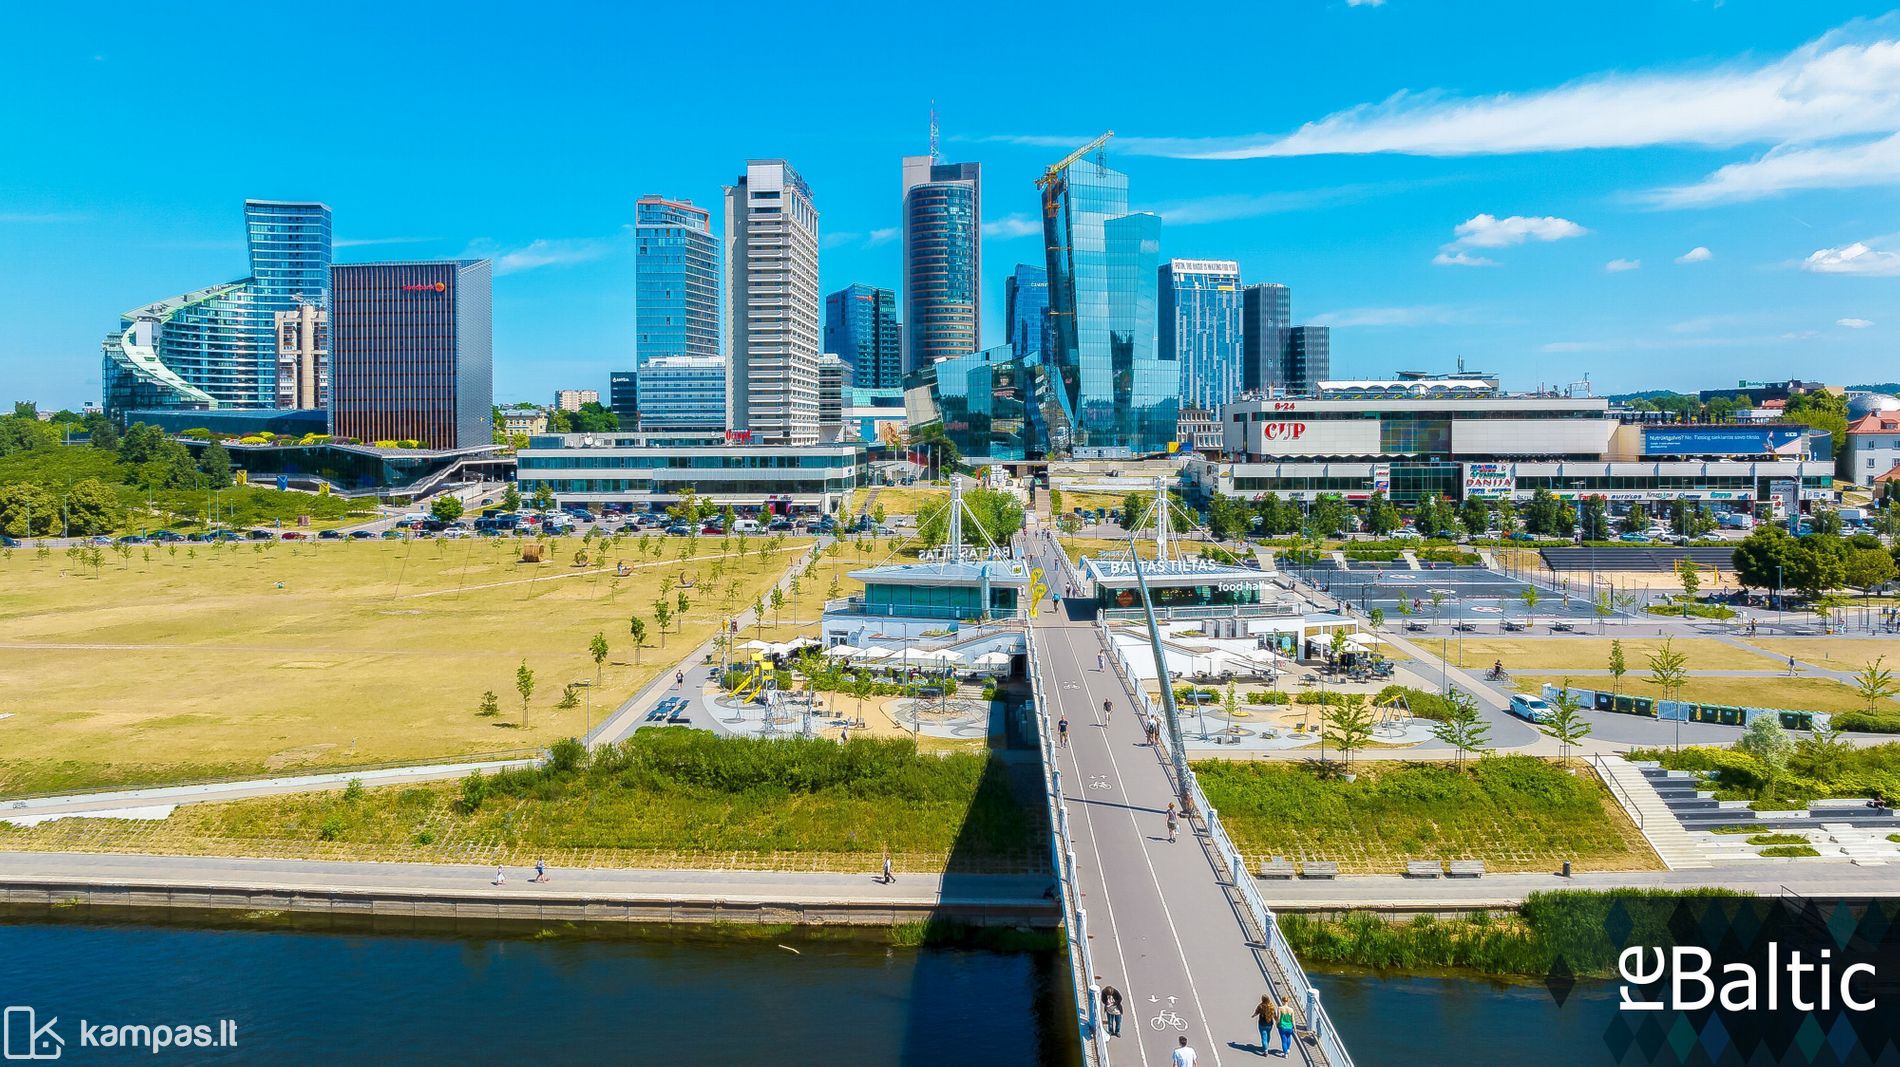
<point>1320,869</point>
<point>1466,869</point>
<point>1423,869</point>
<point>1277,867</point>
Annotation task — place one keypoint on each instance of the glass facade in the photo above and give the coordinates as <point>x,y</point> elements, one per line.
<point>1309,358</point>
<point>676,280</point>
<point>1267,326</point>
<point>680,393</point>
<point>623,397</point>
<point>1026,306</point>
<point>1200,328</point>
<point>861,328</point>
<point>964,602</point>
<point>217,347</point>
<point>942,260</point>
<point>1121,395</point>
<point>411,353</point>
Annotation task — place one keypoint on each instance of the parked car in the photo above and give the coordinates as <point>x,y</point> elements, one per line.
<point>330,535</point>
<point>8,542</point>
<point>132,539</point>
<point>392,535</point>
<point>1636,538</point>
<point>361,535</point>
<point>168,536</point>
<point>295,535</point>
<point>257,535</point>
<point>1530,708</point>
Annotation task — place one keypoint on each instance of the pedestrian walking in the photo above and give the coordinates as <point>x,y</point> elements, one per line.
<point>1790,665</point>
<point>1112,1010</point>
<point>501,878</point>
<point>1184,1055</point>
<point>888,876</point>
<point>1174,819</point>
<point>679,679</point>
<point>540,870</point>
<point>1101,662</point>
<point>1062,730</point>
<point>1286,1029</point>
<point>1108,708</point>
<point>1266,1016</point>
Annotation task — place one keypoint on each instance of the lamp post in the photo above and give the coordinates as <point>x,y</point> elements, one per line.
<point>587,708</point>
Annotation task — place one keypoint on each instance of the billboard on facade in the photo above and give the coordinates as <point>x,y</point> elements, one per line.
<point>1721,440</point>
<point>1382,479</point>
<point>1490,479</point>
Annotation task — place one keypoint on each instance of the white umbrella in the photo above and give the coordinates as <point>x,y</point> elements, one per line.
<point>842,651</point>
<point>762,646</point>
<point>875,652</point>
<point>941,657</point>
<point>992,659</point>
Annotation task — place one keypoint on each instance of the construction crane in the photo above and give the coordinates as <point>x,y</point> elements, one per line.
<point>1050,174</point>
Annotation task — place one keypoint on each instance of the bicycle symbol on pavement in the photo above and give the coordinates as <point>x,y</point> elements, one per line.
<point>1098,781</point>
<point>1166,1019</point>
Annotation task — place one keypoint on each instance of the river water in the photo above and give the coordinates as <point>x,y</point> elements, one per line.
<point>359,998</point>
<point>1457,1022</point>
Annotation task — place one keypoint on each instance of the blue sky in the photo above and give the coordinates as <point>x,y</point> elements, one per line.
<point>1523,185</point>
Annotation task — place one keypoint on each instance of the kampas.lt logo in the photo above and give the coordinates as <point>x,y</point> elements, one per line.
<point>27,1039</point>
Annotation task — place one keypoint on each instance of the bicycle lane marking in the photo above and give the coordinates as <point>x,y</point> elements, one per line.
<point>1108,902</point>
<point>1155,879</point>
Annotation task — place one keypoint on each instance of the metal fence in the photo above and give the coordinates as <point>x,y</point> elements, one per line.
<point>1062,860</point>
<point>1331,1047</point>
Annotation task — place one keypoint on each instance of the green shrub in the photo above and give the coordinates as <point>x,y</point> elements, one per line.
<point>1777,839</point>
<point>1423,705</point>
<point>1269,696</point>
<point>331,829</point>
<point>354,791</point>
<point>1866,722</point>
<point>1751,828</point>
<point>1790,851</point>
<point>474,791</point>
<point>425,836</point>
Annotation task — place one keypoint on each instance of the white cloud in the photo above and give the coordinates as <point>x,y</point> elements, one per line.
<point>1832,87</point>
<point>1854,324</point>
<point>1698,254</point>
<point>364,242</point>
<point>1416,315</point>
<point>1652,344</point>
<point>1461,259</point>
<point>882,235</point>
<point>1856,258</point>
<point>1618,266</point>
<point>1013,226</point>
<point>538,253</point>
<point>1365,3</point>
<point>1786,168</point>
<point>1489,231</point>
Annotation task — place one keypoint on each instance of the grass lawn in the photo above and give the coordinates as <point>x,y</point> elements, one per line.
<point>1077,547</point>
<point>1593,653</point>
<point>910,499</point>
<point>1090,501</point>
<point>1515,813</point>
<point>1840,654</point>
<point>213,662</point>
<point>1794,694</point>
<point>672,798</point>
<point>800,614</point>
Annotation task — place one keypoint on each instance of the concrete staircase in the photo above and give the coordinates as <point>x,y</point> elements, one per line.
<point>1638,795</point>
<point>1411,559</point>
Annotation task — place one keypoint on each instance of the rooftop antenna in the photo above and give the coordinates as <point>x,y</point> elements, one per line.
<point>935,155</point>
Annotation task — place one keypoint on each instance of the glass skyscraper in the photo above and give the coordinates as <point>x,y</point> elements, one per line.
<point>1025,304</point>
<point>1309,358</point>
<point>861,328</point>
<point>218,347</point>
<point>1122,395</point>
<point>943,259</point>
<point>676,280</point>
<point>1267,313</point>
<point>1199,316</point>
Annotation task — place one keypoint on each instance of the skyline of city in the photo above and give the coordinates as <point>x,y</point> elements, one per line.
<point>1546,256</point>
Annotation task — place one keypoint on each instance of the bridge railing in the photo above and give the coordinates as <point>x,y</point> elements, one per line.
<point>1062,861</point>
<point>1299,987</point>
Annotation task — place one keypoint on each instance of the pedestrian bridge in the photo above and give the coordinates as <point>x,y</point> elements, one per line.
<point>1178,927</point>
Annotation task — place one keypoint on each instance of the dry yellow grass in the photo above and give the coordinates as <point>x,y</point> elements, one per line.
<point>1837,654</point>
<point>1593,653</point>
<point>236,661</point>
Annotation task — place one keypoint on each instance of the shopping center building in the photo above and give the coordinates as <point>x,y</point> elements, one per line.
<point>1411,438</point>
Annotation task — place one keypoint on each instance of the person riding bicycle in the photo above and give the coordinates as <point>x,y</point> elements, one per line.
<point>1497,669</point>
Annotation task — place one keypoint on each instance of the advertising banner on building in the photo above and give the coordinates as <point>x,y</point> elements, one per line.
<point>1721,440</point>
<point>1490,479</point>
<point>1382,479</point>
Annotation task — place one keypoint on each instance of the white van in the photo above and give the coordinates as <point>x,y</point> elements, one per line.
<point>745,526</point>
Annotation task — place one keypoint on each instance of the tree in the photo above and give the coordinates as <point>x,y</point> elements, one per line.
<point>860,687</point>
<point>1691,578</point>
<point>662,613</point>
<point>1530,597</point>
<point>1636,520</point>
<point>1328,516</point>
<point>511,497</point>
<point>1669,672</point>
<point>593,417</point>
<point>681,604</point>
<point>1867,569</point>
<point>1463,728</point>
<point>1543,515</point>
<point>1381,517</point>
<point>758,613</point>
<point>1475,513</point>
<point>1823,411</point>
<point>597,648</point>
<point>447,507</point>
<point>543,496</point>
<point>1768,558</point>
<point>1618,666</point>
<point>778,604</point>
<point>1566,724</point>
<point>1229,518</point>
<point>490,706</point>
<point>1377,616</point>
<point>1438,601</point>
<point>27,511</point>
<point>1874,683</point>
<point>1765,740</point>
<point>92,507</point>
<point>524,684</point>
<point>1596,518</point>
<point>1347,724</point>
<point>637,626</point>
<point>215,462</point>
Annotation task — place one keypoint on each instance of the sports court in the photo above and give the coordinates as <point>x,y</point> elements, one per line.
<point>1467,594</point>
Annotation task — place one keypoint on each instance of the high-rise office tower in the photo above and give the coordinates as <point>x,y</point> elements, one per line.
<point>834,385</point>
<point>676,280</point>
<point>1267,322</point>
<point>1120,395</point>
<point>772,305</point>
<point>412,353</point>
<point>861,327</point>
<point>218,347</point>
<point>1199,318</point>
<point>681,393</point>
<point>943,259</point>
<point>1309,359</point>
<point>623,396</point>
<point>1025,305</point>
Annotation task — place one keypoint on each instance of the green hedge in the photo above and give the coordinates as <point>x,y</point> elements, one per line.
<point>1270,696</point>
<point>1424,705</point>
